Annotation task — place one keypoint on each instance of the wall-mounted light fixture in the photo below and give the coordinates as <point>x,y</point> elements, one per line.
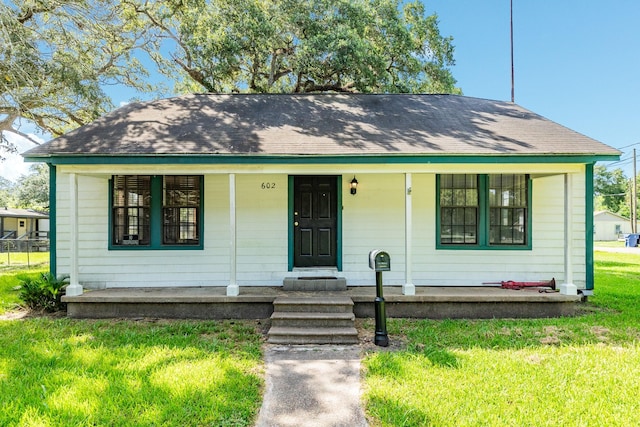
<point>354,185</point>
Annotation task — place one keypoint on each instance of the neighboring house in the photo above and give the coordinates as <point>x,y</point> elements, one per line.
<point>609,226</point>
<point>247,190</point>
<point>22,223</point>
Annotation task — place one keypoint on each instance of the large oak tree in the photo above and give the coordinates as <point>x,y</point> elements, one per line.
<point>383,46</point>
<point>59,57</point>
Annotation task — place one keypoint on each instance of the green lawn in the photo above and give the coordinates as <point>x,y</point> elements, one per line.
<point>12,260</point>
<point>580,371</point>
<point>10,278</point>
<point>62,372</point>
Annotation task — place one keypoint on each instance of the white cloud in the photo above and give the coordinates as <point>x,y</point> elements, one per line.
<point>14,165</point>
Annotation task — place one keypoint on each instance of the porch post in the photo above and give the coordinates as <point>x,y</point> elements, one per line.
<point>74,288</point>
<point>408,288</point>
<point>568,288</point>
<point>233,289</point>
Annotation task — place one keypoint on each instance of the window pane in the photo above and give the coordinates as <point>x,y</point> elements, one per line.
<point>181,210</point>
<point>131,210</point>
<point>507,226</point>
<point>508,195</point>
<point>459,209</point>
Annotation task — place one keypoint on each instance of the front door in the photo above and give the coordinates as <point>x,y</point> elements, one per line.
<point>315,214</point>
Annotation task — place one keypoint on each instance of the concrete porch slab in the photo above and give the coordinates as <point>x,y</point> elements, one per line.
<point>435,302</point>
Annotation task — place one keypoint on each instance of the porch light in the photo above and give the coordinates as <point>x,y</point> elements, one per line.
<point>354,185</point>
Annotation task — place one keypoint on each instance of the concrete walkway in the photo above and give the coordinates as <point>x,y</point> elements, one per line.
<point>312,386</point>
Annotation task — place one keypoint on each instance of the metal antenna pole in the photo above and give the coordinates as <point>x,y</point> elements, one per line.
<point>512,71</point>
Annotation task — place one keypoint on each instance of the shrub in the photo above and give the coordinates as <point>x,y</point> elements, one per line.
<point>43,292</point>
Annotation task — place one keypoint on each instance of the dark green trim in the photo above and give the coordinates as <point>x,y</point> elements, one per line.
<point>155,217</point>
<point>588,213</point>
<point>53,246</point>
<point>155,226</point>
<point>483,220</point>
<point>339,223</point>
<point>226,159</point>
<point>290,230</point>
<point>483,212</point>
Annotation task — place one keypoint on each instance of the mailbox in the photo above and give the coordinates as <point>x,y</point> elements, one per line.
<point>379,260</point>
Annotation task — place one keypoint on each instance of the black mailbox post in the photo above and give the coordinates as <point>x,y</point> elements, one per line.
<point>380,261</point>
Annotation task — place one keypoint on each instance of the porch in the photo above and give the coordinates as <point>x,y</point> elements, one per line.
<point>433,302</point>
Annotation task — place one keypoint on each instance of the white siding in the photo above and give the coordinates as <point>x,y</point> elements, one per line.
<point>462,267</point>
<point>262,227</point>
<point>605,226</point>
<point>374,218</point>
<point>99,267</point>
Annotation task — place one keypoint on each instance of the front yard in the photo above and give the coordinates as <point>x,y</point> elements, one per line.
<point>577,371</point>
<point>580,371</point>
<point>61,372</point>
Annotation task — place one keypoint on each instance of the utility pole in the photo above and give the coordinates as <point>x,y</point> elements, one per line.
<point>634,197</point>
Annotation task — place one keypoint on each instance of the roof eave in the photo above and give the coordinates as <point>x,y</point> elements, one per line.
<point>84,159</point>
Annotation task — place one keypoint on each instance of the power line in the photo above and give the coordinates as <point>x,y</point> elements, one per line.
<point>630,145</point>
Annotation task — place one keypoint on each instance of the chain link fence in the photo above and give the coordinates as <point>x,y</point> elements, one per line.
<point>20,251</point>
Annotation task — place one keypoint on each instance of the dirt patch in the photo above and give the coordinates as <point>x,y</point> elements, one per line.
<point>366,338</point>
<point>553,335</point>
<point>24,313</point>
<point>14,315</point>
<point>601,333</point>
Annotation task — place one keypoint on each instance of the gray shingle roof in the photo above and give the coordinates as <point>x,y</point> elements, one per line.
<point>322,124</point>
<point>21,213</point>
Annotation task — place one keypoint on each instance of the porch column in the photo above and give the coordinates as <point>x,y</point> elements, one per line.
<point>74,288</point>
<point>568,288</point>
<point>233,289</point>
<point>408,288</point>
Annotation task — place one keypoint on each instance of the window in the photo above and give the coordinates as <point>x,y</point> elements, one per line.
<point>482,211</point>
<point>156,212</point>
<point>131,209</point>
<point>180,205</point>
<point>459,209</point>
<point>507,209</point>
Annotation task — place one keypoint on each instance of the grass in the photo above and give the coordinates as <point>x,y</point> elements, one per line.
<point>10,261</point>
<point>578,371</point>
<point>62,372</point>
<point>534,372</point>
<point>10,278</point>
<point>609,244</point>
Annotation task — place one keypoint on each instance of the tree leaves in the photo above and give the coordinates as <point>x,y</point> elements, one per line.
<point>59,57</point>
<point>266,46</point>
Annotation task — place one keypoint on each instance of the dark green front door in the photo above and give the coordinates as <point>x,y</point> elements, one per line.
<point>315,213</point>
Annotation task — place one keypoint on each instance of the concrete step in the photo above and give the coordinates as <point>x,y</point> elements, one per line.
<point>328,304</point>
<point>312,319</point>
<point>295,335</point>
<point>321,283</point>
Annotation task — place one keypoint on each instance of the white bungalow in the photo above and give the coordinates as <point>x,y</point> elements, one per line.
<point>249,190</point>
<point>608,226</point>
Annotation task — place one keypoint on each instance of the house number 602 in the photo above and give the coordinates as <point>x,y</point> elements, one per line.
<point>268,185</point>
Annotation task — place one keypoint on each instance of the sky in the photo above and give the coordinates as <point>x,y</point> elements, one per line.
<point>576,62</point>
